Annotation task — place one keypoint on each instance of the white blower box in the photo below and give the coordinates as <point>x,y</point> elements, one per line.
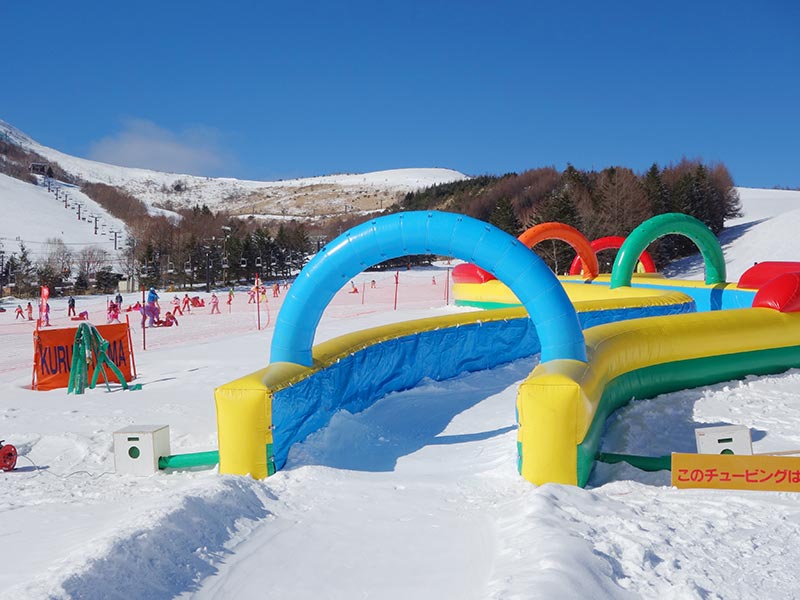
<point>137,448</point>
<point>726,439</point>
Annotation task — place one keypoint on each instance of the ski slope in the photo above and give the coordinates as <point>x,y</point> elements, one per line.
<point>35,216</point>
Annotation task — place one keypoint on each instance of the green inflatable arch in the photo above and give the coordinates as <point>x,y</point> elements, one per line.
<point>662,225</point>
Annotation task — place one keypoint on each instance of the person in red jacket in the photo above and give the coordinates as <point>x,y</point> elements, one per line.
<point>112,315</point>
<point>169,320</point>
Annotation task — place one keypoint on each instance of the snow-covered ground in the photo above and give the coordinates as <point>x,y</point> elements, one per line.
<point>307,197</point>
<point>416,497</point>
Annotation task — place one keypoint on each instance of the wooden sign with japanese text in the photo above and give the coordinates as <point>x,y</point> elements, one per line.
<point>736,472</point>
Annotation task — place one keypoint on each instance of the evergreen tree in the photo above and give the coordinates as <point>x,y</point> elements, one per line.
<point>235,251</point>
<point>557,207</point>
<point>49,276</point>
<point>107,281</point>
<point>282,244</point>
<point>301,246</point>
<point>683,201</point>
<point>9,267</point>
<point>503,217</point>
<point>456,196</point>
<point>725,192</point>
<point>25,272</point>
<point>660,202</point>
<point>261,244</point>
<point>149,270</point>
<point>81,282</point>
<point>702,201</point>
<point>656,192</point>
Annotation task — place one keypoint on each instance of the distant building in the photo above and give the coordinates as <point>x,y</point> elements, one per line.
<point>38,168</point>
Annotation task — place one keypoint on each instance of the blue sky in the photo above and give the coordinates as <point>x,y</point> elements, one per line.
<point>265,90</point>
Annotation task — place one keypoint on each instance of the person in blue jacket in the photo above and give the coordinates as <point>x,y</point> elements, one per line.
<point>152,297</point>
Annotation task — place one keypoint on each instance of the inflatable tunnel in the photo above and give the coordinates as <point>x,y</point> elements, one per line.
<point>561,407</point>
<point>446,234</point>
<point>302,387</point>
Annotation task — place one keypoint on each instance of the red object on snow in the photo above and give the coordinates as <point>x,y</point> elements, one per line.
<point>8,457</point>
<point>469,273</point>
<point>782,293</point>
<point>763,272</point>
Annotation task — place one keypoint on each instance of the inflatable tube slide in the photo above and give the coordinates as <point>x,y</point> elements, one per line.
<point>579,382</point>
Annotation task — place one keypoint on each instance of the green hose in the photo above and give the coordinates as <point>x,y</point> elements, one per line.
<point>205,459</point>
<point>187,461</point>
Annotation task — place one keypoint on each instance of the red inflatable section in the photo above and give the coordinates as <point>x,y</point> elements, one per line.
<point>782,293</point>
<point>469,273</point>
<point>612,242</point>
<point>565,233</point>
<point>761,273</point>
<point>8,457</point>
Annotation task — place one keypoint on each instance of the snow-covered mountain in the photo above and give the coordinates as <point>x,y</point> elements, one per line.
<point>308,197</point>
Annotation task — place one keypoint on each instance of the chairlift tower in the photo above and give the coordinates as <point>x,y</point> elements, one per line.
<point>225,265</point>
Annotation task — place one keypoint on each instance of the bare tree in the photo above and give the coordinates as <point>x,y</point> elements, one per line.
<point>90,259</point>
<point>58,256</point>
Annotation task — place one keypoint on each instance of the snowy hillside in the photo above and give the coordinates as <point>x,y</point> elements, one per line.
<point>756,236</point>
<point>34,215</point>
<point>759,204</point>
<point>307,197</point>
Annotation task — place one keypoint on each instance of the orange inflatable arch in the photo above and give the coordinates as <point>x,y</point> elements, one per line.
<point>559,231</point>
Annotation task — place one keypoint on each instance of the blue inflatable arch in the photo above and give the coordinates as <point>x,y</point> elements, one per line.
<point>421,232</point>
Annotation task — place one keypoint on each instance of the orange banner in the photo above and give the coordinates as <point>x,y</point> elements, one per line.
<point>736,472</point>
<point>53,354</point>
